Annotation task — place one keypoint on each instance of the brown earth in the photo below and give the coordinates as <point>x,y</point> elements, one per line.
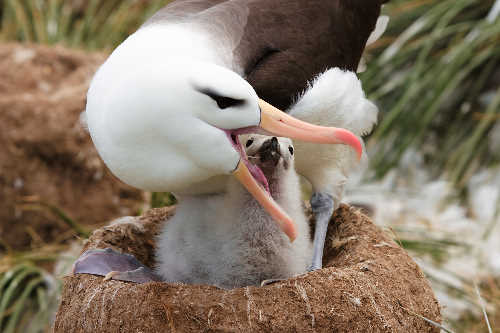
<point>369,284</point>
<point>45,153</point>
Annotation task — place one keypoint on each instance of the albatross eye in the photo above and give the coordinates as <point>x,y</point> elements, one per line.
<point>227,102</point>
<point>249,143</point>
<point>290,149</point>
<point>223,102</point>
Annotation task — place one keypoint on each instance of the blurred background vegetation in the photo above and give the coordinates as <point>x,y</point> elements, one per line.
<point>86,24</point>
<point>435,75</point>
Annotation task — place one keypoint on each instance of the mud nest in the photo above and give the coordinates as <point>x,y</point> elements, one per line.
<point>369,284</point>
<point>46,155</point>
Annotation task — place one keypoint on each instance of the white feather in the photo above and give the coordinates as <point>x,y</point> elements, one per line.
<point>334,98</point>
<point>379,30</point>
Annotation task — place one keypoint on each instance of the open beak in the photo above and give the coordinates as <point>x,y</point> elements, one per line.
<point>278,123</point>
<point>285,223</point>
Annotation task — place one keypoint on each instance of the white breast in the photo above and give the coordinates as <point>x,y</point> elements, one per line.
<point>335,98</point>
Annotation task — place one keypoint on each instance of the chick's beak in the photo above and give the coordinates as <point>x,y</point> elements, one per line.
<point>277,123</point>
<point>285,223</point>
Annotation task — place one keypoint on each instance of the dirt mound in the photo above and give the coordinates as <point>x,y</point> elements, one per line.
<point>45,153</point>
<point>369,284</point>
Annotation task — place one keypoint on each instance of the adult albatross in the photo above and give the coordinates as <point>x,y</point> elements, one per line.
<point>166,108</point>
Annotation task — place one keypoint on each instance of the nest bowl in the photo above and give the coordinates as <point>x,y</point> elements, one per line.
<point>368,284</point>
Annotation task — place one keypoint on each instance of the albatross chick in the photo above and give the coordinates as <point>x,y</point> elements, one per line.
<point>228,239</point>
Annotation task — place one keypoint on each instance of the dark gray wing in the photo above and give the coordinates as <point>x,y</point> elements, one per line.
<point>288,42</point>
<point>281,45</point>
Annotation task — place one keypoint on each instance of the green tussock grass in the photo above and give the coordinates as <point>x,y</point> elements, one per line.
<point>28,293</point>
<point>162,199</point>
<point>23,290</point>
<point>79,230</point>
<point>92,24</point>
<point>432,74</point>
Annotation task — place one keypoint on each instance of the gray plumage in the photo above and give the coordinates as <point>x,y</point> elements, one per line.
<point>229,240</point>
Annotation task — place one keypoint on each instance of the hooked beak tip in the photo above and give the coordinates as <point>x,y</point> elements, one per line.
<point>348,138</point>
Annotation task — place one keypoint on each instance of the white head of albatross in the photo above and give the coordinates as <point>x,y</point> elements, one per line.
<point>164,122</point>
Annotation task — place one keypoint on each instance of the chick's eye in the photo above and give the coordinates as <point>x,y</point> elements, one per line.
<point>290,149</point>
<point>249,143</point>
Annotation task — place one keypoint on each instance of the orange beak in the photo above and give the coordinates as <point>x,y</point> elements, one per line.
<point>276,122</point>
<point>279,123</point>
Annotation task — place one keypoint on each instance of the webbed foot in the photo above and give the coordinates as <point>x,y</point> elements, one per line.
<point>114,266</point>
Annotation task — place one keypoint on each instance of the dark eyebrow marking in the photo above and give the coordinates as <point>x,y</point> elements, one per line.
<point>223,102</point>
